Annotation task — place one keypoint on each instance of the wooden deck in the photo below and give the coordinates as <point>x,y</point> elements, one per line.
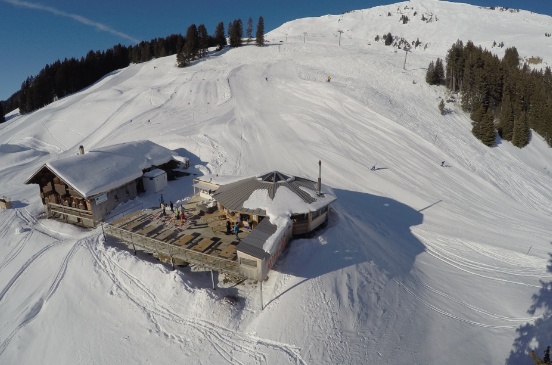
<point>200,239</point>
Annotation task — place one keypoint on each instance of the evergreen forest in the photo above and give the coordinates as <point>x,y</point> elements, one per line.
<point>66,77</point>
<point>502,95</point>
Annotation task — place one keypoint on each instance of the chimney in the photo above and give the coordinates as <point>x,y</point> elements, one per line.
<point>319,176</point>
<point>81,150</point>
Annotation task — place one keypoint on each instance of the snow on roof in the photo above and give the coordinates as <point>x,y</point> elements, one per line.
<point>220,179</point>
<point>107,168</point>
<point>154,173</point>
<point>258,195</point>
<point>277,196</point>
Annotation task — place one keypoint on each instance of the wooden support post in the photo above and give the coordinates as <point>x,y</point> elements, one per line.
<point>133,246</point>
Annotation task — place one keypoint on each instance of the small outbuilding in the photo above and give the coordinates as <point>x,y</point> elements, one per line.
<point>5,203</point>
<point>155,180</point>
<point>84,188</point>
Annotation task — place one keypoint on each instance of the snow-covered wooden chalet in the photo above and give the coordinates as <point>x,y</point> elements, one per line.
<point>84,188</point>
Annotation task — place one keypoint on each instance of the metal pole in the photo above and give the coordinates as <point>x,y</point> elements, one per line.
<point>261,286</point>
<point>340,32</point>
<point>304,35</point>
<point>213,280</point>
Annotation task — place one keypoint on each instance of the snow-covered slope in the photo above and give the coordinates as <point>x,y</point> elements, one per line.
<point>420,264</point>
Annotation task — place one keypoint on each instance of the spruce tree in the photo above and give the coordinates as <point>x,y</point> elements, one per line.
<point>203,39</point>
<point>430,73</point>
<point>506,118</point>
<point>249,30</point>
<point>2,118</point>
<point>236,33</point>
<point>220,38</point>
<point>260,33</point>
<point>455,66</point>
<point>488,134</point>
<point>511,58</point>
<point>477,117</point>
<point>537,106</point>
<point>442,107</point>
<point>521,134</point>
<point>439,73</point>
<point>388,39</point>
<point>191,46</point>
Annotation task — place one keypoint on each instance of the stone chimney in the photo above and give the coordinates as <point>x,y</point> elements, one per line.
<point>81,150</point>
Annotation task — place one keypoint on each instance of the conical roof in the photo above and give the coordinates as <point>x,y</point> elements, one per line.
<point>232,196</point>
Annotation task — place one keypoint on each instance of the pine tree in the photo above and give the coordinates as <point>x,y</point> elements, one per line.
<point>388,39</point>
<point>249,30</point>
<point>191,46</point>
<point>488,129</point>
<point>511,58</point>
<point>2,118</point>
<point>477,121</point>
<point>442,107</point>
<point>260,33</point>
<point>455,66</point>
<point>439,73</point>
<point>220,38</point>
<point>203,39</point>
<point>521,134</point>
<point>430,73</point>
<point>506,118</point>
<point>236,33</point>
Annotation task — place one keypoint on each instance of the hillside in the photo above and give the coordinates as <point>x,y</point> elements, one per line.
<point>419,264</point>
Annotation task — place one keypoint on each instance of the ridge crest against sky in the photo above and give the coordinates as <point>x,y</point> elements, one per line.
<point>36,33</point>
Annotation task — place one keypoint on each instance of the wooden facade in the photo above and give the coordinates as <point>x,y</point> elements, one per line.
<point>63,202</point>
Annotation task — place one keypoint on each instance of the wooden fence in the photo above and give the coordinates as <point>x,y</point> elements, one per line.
<point>171,252</point>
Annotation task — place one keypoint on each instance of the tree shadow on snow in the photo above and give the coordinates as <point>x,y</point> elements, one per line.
<point>361,228</point>
<point>538,333</point>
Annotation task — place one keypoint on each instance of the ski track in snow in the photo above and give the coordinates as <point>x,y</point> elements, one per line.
<point>223,340</point>
<point>30,314</point>
<point>460,262</point>
<point>453,316</point>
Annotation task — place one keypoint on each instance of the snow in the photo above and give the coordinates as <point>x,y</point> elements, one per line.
<point>108,168</point>
<point>419,264</point>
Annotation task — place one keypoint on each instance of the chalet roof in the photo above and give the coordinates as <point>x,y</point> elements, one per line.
<point>253,244</point>
<point>104,169</point>
<point>233,196</point>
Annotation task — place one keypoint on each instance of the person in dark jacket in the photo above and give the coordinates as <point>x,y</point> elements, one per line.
<point>228,227</point>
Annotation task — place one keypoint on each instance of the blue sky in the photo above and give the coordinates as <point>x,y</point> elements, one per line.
<point>34,33</point>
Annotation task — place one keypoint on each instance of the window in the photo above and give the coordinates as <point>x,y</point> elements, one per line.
<point>248,262</point>
<point>297,218</point>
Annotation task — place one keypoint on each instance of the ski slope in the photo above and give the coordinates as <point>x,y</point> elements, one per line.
<point>418,264</point>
